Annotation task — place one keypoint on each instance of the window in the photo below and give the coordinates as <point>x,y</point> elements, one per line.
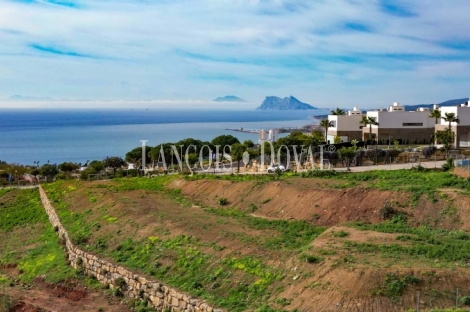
<point>412,124</point>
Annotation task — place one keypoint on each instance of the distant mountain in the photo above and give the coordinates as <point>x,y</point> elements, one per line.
<point>229,98</point>
<point>18,97</point>
<point>446,103</point>
<point>287,103</point>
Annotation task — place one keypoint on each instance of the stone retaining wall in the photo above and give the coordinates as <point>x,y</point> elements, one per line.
<point>162,297</point>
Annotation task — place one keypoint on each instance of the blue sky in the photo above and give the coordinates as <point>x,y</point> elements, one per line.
<point>345,53</point>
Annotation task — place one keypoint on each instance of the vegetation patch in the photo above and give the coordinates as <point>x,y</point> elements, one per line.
<point>395,284</point>
<point>24,211</point>
<point>426,242</point>
<point>417,182</point>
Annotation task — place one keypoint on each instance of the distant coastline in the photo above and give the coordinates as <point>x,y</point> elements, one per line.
<point>53,135</point>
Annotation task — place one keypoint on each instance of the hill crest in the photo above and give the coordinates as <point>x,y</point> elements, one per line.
<point>287,103</point>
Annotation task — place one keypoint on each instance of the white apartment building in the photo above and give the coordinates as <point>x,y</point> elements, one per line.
<point>461,130</point>
<point>347,127</point>
<point>268,135</point>
<point>408,127</point>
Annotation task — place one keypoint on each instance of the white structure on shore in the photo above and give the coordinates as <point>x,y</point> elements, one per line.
<point>268,135</point>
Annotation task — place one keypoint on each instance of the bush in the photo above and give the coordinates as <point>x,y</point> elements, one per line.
<point>79,262</point>
<point>120,282</point>
<point>341,234</point>
<point>222,201</point>
<point>394,286</point>
<point>6,303</point>
<point>61,176</point>
<point>386,211</point>
<point>419,168</point>
<point>310,258</point>
<point>84,174</point>
<point>117,292</point>
<point>465,300</point>
<point>318,173</point>
<point>448,165</point>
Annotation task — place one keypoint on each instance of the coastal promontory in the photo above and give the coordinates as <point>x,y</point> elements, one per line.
<point>287,103</point>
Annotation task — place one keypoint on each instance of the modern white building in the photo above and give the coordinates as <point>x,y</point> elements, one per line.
<point>407,127</point>
<point>347,127</point>
<point>272,135</point>
<point>268,135</point>
<point>462,129</point>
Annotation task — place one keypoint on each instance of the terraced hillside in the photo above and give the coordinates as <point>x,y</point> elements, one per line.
<point>34,274</point>
<point>335,242</point>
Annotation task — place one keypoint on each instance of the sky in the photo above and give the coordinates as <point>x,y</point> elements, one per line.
<point>171,53</point>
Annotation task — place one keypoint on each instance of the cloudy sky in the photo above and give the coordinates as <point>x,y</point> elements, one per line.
<point>331,53</point>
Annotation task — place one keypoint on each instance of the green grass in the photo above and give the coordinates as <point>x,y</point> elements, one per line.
<point>395,284</point>
<point>24,209</point>
<point>22,213</point>
<point>180,263</point>
<point>262,178</point>
<point>424,242</point>
<point>291,234</point>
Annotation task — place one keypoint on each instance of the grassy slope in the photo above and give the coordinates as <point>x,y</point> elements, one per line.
<point>416,182</point>
<point>182,262</point>
<point>28,239</point>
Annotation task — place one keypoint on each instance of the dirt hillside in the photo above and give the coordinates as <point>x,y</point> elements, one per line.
<point>319,201</point>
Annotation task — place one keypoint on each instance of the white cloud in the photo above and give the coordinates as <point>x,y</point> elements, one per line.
<point>207,48</point>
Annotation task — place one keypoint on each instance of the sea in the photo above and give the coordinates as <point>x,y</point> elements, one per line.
<point>56,136</point>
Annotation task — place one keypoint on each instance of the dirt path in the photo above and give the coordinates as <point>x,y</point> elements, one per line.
<point>70,297</point>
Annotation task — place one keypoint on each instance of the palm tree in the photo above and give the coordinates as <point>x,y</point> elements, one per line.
<point>338,111</point>
<point>450,118</point>
<point>436,114</point>
<point>364,122</point>
<point>371,121</point>
<point>325,123</point>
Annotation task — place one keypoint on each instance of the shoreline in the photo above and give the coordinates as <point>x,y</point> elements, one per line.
<point>304,129</point>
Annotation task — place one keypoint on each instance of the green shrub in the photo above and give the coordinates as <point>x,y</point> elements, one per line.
<point>465,300</point>
<point>267,200</point>
<point>341,234</point>
<point>61,176</point>
<point>396,285</point>
<point>316,173</point>
<point>79,262</point>
<point>6,303</point>
<point>386,211</point>
<point>403,237</point>
<point>120,282</point>
<point>310,258</point>
<point>222,201</point>
<point>448,165</point>
<point>117,292</point>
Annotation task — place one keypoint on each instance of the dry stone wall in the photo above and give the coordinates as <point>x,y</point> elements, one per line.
<point>162,297</point>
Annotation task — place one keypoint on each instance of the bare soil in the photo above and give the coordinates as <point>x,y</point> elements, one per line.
<point>69,296</point>
<point>317,201</point>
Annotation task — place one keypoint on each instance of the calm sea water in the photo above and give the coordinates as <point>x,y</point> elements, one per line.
<point>80,135</point>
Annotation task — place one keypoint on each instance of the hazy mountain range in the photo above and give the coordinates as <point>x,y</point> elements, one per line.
<point>446,103</point>
<point>229,98</point>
